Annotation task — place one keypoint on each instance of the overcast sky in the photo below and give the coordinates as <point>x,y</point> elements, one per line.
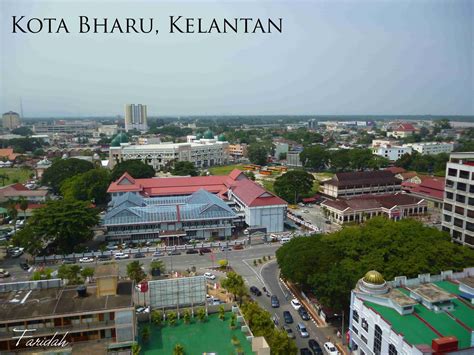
<point>333,57</point>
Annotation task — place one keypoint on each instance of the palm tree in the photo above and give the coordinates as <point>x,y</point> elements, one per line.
<point>186,316</point>
<point>156,317</point>
<point>136,349</point>
<point>4,177</point>
<point>221,313</point>
<point>12,212</point>
<point>23,202</point>
<point>171,316</point>
<point>178,349</point>
<point>145,333</point>
<point>234,283</point>
<point>201,314</point>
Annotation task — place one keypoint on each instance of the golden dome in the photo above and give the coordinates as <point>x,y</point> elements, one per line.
<point>374,277</point>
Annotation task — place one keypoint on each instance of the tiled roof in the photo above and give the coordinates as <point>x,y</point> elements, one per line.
<point>395,169</point>
<point>363,178</point>
<point>431,187</point>
<point>405,127</point>
<point>365,202</point>
<point>254,195</point>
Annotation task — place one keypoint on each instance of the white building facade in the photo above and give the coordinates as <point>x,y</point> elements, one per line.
<point>431,148</point>
<point>391,152</point>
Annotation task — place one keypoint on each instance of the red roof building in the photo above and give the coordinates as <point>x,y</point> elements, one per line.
<point>235,187</point>
<point>430,188</point>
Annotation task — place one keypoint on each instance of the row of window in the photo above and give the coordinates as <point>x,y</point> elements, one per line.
<point>463,174</point>
<point>377,335</point>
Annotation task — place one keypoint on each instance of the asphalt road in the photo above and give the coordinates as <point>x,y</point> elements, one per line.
<point>270,276</point>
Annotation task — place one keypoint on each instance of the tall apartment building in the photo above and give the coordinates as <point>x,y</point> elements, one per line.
<point>11,120</point>
<point>97,317</point>
<point>135,117</point>
<point>458,207</point>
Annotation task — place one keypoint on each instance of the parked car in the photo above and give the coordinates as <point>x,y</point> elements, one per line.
<point>104,258</point>
<point>139,255</point>
<point>86,259</point>
<point>4,273</point>
<point>238,247</point>
<point>209,276</point>
<point>174,252</point>
<point>305,351</point>
<point>25,266</point>
<point>275,302</point>
<point>287,317</point>
<point>315,347</point>
<point>295,303</point>
<point>158,253</point>
<point>330,348</point>
<point>192,251</point>
<point>16,253</point>
<point>111,247</point>
<point>205,250</point>
<point>303,313</point>
<point>302,330</point>
<point>223,248</point>
<point>254,290</point>
<point>121,256</point>
<point>275,319</point>
<point>289,332</point>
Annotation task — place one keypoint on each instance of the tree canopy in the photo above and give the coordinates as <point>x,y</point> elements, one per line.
<point>89,186</point>
<point>184,168</point>
<point>136,168</point>
<point>62,225</point>
<point>433,164</point>
<point>135,271</point>
<point>331,264</point>
<point>63,169</point>
<point>257,154</point>
<point>293,184</point>
<point>22,131</point>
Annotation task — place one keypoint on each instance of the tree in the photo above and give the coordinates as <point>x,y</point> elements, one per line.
<point>257,154</point>
<point>171,317</point>
<point>63,169</point>
<point>314,157</point>
<point>291,185</point>
<point>135,271</point>
<point>221,313</point>
<point>4,177</point>
<point>87,272</point>
<point>234,283</point>
<point>157,265</point>
<point>136,349</point>
<point>23,203</point>
<point>330,265</point>
<point>61,224</point>
<point>145,333</point>
<point>281,344</point>
<point>12,212</point>
<point>156,317</point>
<point>178,349</point>
<point>70,273</point>
<point>201,314</point>
<point>89,186</point>
<point>184,168</point>
<point>186,316</point>
<point>136,168</point>
<point>250,175</point>
<point>22,131</point>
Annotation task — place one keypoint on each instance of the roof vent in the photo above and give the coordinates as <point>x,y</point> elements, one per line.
<point>81,291</point>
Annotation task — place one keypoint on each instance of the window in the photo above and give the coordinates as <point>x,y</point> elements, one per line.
<point>377,340</point>
<point>460,198</point>
<point>457,234</point>
<point>447,218</point>
<point>449,195</point>
<point>470,226</point>
<point>365,325</point>
<point>462,186</point>
<point>471,189</point>
<point>392,350</point>
<point>471,201</point>
<point>463,174</point>
<point>470,213</point>
<point>448,207</point>
<point>355,316</point>
<point>449,183</point>
<point>354,329</point>
<point>459,210</point>
<point>458,222</point>
<point>452,172</point>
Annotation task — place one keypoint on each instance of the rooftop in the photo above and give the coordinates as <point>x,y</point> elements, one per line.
<point>378,177</point>
<point>366,202</point>
<point>53,302</point>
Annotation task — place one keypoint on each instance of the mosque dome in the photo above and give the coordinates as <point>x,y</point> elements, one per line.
<point>374,277</point>
<point>198,136</point>
<point>119,138</point>
<point>221,138</point>
<point>208,134</point>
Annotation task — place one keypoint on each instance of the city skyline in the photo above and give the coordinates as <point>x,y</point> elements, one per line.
<point>338,58</point>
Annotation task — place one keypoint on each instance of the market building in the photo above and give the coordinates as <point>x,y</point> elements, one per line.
<point>430,314</point>
<point>357,209</point>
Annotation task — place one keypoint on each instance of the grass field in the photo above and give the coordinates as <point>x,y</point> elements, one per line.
<point>15,175</point>
<point>224,170</point>
<point>212,336</point>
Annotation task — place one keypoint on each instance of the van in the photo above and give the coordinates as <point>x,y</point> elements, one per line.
<point>284,240</point>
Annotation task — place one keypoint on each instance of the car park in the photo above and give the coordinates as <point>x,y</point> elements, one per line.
<point>315,347</point>
<point>295,303</point>
<point>274,301</point>
<point>330,348</point>
<point>104,258</point>
<point>25,266</point>
<point>86,259</point>
<point>254,290</point>
<point>209,276</point>
<point>287,317</point>
<point>4,273</point>
<point>289,332</point>
<point>121,256</point>
<point>192,251</point>
<point>301,328</point>
<point>303,313</point>
<point>139,255</point>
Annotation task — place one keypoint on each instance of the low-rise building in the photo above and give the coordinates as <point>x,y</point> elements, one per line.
<point>248,199</point>
<point>402,130</point>
<point>98,317</point>
<point>429,188</point>
<point>293,158</point>
<point>431,314</point>
<point>357,209</point>
<point>360,183</point>
<point>16,191</point>
<point>237,152</point>
<point>391,152</point>
<point>431,148</point>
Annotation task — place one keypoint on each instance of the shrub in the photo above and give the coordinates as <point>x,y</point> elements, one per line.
<point>171,316</point>
<point>156,317</point>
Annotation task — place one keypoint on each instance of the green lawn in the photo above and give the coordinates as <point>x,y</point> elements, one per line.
<point>212,336</point>
<point>224,170</point>
<point>15,175</point>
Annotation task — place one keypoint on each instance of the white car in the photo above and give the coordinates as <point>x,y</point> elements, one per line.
<point>209,276</point>
<point>121,256</point>
<point>295,304</point>
<point>330,348</point>
<point>86,259</point>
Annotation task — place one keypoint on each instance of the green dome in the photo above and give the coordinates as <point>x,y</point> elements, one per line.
<point>208,134</point>
<point>198,136</point>
<point>119,138</point>
<point>221,138</point>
